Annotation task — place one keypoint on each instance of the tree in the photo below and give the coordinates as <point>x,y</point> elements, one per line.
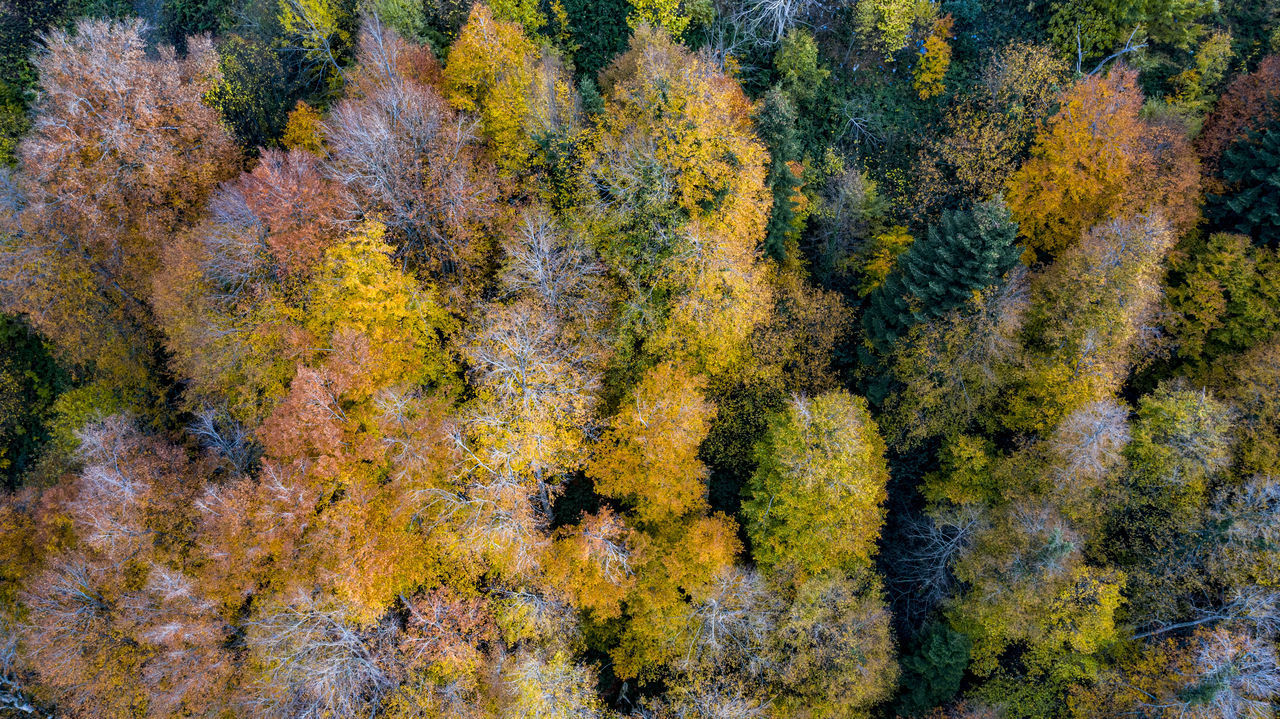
<point>591,562</point>
<point>106,189</point>
<point>140,165</point>
<point>1250,203</point>
<point>815,502</point>
<point>1089,444</point>
<point>302,130</point>
<point>525,100</point>
<point>935,60</point>
<point>1214,673</point>
<point>552,688</point>
<point>880,257</point>
<point>599,31</point>
<point>801,72</point>
<point>1181,442</point>
<point>952,370</point>
<point>239,331</point>
<point>115,622</point>
<point>297,211</point>
<point>667,15</point>
<point>1027,583</point>
<point>308,659</point>
<point>1252,388</point>
<point>832,650</point>
<point>250,95</point>
<point>1246,518</point>
<point>964,254</point>
<point>537,389</point>
<point>405,154</point>
<point>410,19</point>
<point>680,204</point>
<point>1224,296</point>
<point>649,456</point>
<point>776,120</point>
<point>30,381</point>
<point>1086,317</point>
<point>989,130</point>
<point>885,25</point>
<point>320,32</point>
<point>1097,159</point>
<point>1248,104</point>
<point>677,567</point>
<point>799,345</point>
<point>933,671</point>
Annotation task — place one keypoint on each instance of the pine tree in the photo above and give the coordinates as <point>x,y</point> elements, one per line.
<point>965,252</point>
<point>776,123</point>
<point>1252,168</point>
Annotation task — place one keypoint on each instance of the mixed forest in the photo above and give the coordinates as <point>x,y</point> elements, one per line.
<point>658,359</point>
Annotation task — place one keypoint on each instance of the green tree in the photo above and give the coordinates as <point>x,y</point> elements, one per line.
<point>1226,299</point>
<point>814,503</point>
<point>966,252</point>
<point>885,25</point>
<point>776,123</point>
<point>598,32</point>
<point>30,381</point>
<point>800,72</point>
<point>1181,442</point>
<point>1251,203</point>
<point>933,670</point>
<point>180,18</point>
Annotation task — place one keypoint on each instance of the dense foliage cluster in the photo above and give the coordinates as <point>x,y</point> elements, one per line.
<point>663,359</point>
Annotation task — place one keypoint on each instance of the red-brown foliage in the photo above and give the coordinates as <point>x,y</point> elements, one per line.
<point>1250,102</point>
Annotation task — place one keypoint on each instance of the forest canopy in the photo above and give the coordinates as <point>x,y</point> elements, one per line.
<point>646,359</point>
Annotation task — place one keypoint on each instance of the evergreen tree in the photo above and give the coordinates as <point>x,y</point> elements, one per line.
<point>933,670</point>
<point>965,252</point>
<point>776,123</point>
<point>1251,169</point>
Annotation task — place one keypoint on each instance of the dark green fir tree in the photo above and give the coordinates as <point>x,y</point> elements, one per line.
<point>963,253</point>
<point>776,123</point>
<point>1251,169</point>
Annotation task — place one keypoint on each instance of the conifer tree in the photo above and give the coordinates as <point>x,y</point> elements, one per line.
<point>965,252</point>
<point>776,123</point>
<point>1251,204</point>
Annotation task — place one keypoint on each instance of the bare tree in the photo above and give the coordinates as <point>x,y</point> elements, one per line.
<point>405,153</point>
<point>1089,441</point>
<point>922,569</point>
<point>114,487</point>
<point>1256,608</point>
<point>1231,676</point>
<point>13,696</point>
<point>225,436</point>
<point>728,629</point>
<point>1249,515</point>
<point>556,266</point>
<point>313,662</point>
<point>721,696</point>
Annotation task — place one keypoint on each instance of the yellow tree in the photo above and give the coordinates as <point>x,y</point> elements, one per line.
<point>1079,163</point>
<point>497,72</point>
<point>680,203</point>
<point>815,502</point>
<point>1098,159</point>
<point>648,458</point>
